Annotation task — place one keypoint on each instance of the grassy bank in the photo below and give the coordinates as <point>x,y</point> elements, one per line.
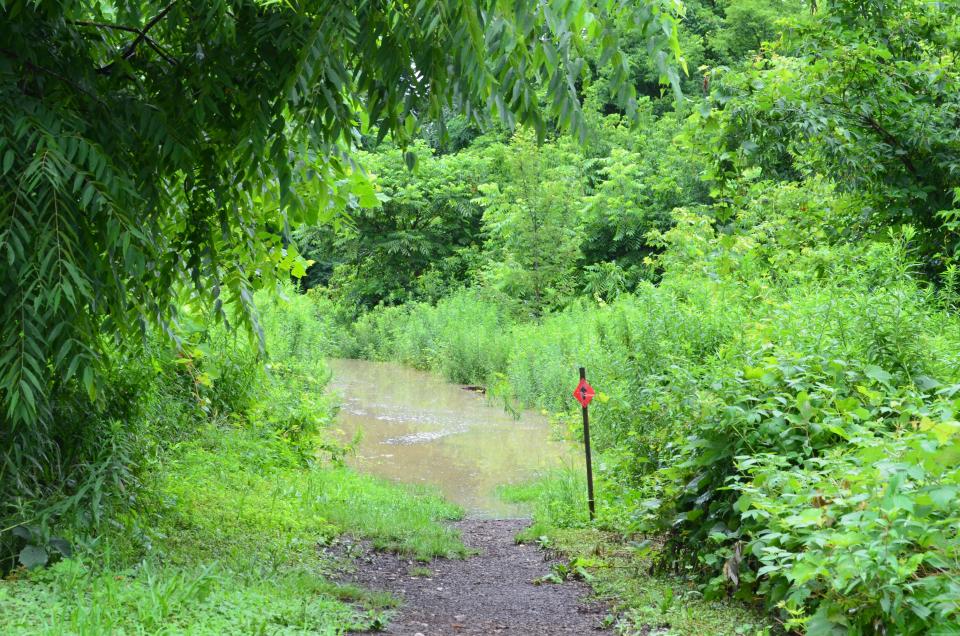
<point>209,509</point>
<point>233,539</point>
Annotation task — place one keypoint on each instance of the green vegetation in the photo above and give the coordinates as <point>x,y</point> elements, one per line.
<point>157,475</point>
<point>624,572</point>
<point>420,571</point>
<point>155,156</point>
<point>759,270</point>
<point>233,503</point>
<point>762,283</point>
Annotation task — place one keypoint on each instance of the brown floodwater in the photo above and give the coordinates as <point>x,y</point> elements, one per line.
<point>418,428</point>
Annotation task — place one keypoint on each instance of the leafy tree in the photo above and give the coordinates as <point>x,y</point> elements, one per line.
<point>636,186</point>
<point>426,216</point>
<point>148,148</point>
<point>712,34</point>
<point>866,92</point>
<point>747,25</point>
<point>532,223</point>
<point>604,281</point>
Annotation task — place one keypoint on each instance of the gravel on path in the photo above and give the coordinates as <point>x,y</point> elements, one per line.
<point>490,593</point>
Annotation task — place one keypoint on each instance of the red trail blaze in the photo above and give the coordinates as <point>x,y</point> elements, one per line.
<point>584,393</point>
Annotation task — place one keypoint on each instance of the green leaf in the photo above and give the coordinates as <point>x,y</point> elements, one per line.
<point>62,546</point>
<point>32,557</point>
<point>876,373</point>
<point>410,159</point>
<point>24,533</point>
<point>89,383</point>
<point>826,623</point>
<point>838,430</point>
<point>809,517</point>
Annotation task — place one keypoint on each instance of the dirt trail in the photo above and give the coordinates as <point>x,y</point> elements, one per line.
<point>491,593</point>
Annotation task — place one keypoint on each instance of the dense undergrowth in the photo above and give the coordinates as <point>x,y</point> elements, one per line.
<point>213,501</point>
<point>762,278</point>
<point>780,409</point>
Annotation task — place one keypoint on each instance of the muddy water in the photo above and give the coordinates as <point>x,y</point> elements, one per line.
<point>417,428</point>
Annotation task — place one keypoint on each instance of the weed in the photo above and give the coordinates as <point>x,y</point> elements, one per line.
<point>419,571</point>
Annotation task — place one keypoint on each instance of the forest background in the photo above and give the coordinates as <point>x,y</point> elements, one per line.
<point>753,251</point>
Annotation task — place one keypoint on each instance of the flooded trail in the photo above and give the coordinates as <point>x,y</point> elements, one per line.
<point>418,428</point>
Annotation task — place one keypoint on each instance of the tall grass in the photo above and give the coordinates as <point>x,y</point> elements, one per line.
<point>463,337</point>
<point>211,503</point>
<point>673,336</point>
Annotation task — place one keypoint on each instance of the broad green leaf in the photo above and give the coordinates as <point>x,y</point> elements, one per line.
<point>32,557</point>
<point>876,373</point>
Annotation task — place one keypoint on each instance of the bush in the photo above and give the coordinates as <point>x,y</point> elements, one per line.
<point>863,539</point>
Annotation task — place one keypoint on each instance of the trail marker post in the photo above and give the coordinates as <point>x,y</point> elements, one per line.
<point>584,393</point>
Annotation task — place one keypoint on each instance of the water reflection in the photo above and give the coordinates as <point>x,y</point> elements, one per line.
<point>418,428</point>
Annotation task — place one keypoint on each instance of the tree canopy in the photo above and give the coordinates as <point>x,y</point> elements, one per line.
<point>156,153</point>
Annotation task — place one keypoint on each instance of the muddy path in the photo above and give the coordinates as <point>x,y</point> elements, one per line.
<point>490,593</point>
<point>418,428</point>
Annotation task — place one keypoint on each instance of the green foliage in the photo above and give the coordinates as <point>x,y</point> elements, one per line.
<point>768,355</point>
<point>621,570</point>
<point>529,207</point>
<point>558,500</point>
<point>414,243</point>
<point>604,281</point>
<point>259,499</point>
<point>435,337</point>
<point>236,492</point>
<point>867,532</point>
<point>636,185</point>
<point>749,24</point>
<point>154,156</point>
<point>761,313</point>
<point>762,285</point>
<point>864,92</point>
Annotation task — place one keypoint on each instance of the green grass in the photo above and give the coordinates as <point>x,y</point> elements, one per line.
<point>620,573</point>
<point>232,486</point>
<point>665,605</point>
<point>420,572</point>
<point>72,597</point>
<point>231,531</point>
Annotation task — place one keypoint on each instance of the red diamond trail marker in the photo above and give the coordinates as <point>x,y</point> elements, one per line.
<point>584,393</point>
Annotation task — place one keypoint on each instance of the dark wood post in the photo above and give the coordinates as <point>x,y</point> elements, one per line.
<point>586,445</point>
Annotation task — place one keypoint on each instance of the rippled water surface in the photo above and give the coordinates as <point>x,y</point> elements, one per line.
<point>417,428</point>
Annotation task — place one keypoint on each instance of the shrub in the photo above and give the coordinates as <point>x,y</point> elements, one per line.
<point>865,538</point>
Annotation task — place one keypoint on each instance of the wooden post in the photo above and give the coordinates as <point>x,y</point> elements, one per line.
<point>586,445</point>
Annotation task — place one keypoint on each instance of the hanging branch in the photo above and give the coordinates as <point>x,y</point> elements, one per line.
<point>129,29</point>
<point>142,37</point>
